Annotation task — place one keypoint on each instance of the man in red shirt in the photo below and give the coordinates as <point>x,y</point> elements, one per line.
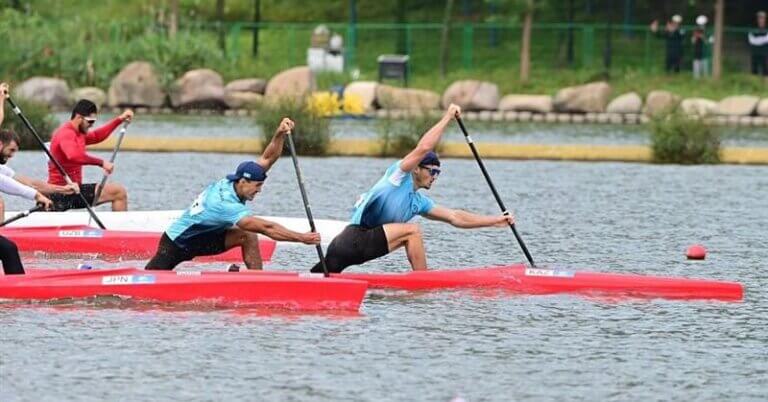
<point>68,147</point>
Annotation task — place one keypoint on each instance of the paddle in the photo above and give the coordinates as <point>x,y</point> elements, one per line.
<point>103,182</point>
<point>23,214</point>
<point>23,118</point>
<point>493,189</point>
<point>305,199</point>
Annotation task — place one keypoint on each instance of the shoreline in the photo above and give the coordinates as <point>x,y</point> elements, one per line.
<point>450,149</point>
<point>484,116</point>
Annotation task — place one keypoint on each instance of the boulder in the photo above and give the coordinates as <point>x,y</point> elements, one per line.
<point>202,88</point>
<point>389,97</point>
<point>293,83</point>
<point>762,107</point>
<point>137,84</point>
<point>253,85</point>
<point>660,101</point>
<point>243,100</point>
<point>363,90</point>
<point>50,91</point>
<point>93,94</point>
<point>741,105</point>
<point>472,95</point>
<point>592,97</point>
<point>528,103</point>
<point>698,106</point>
<point>627,103</point>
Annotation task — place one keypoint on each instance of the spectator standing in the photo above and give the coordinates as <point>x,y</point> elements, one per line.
<point>702,44</point>
<point>758,44</point>
<point>674,36</point>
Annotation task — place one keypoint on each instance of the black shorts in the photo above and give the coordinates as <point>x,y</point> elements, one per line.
<point>63,202</point>
<point>169,254</point>
<point>354,246</point>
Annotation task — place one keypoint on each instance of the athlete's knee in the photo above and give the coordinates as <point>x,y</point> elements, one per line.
<point>413,230</point>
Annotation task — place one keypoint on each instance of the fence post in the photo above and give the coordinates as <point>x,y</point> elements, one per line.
<point>234,40</point>
<point>647,57</point>
<point>588,45</point>
<point>350,62</point>
<point>468,43</point>
<point>408,41</point>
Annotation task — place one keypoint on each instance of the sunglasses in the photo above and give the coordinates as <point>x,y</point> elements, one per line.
<point>89,121</point>
<point>432,171</point>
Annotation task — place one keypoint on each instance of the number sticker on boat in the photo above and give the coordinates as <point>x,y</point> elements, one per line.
<point>128,280</point>
<point>81,233</point>
<point>560,273</point>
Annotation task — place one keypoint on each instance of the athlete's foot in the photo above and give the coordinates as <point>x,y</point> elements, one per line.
<point>233,268</point>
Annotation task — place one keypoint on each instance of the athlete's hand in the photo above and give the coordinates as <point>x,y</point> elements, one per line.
<point>310,238</point>
<point>71,188</point>
<point>454,110</point>
<point>127,115</point>
<point>4,90</point>
<point>505,220</point>
<point>108,167</point>
<point>286,126</point>
<point>654,25</point>
<point>43,200</point>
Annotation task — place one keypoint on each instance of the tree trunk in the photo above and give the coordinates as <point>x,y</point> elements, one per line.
<point>525,47</point>
<point>256,20</point>
<point>444,48</point>
<point>173,21</point>
<point>220,23</point>
<point>717,54</point>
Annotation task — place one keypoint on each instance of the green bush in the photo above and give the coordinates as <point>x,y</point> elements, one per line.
<point>38,114</point>
<point>312,134</point>
<point>679,138</point>
<point>400,136</point>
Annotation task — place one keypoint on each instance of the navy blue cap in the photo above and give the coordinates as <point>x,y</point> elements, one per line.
<point>430,159</point>
<point>250,171</point>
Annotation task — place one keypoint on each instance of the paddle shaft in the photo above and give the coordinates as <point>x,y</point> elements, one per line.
<point>61,170</point>
<point>493,189</point>
<point>305,199</point>
<point>22,215</point>
<point>103,182</point>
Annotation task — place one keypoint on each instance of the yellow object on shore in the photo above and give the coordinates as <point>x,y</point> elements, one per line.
<point>365,147</point>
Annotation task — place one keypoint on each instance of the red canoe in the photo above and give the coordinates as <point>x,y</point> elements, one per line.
<point>228,289</point>
<point>521,279</point>
<point>524,280</point>
<point>79,240</point>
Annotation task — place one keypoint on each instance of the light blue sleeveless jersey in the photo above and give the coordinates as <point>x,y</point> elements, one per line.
<point>217,208</point>
<point>391,200</point>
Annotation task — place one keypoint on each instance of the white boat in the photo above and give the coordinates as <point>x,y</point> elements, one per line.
<point>157,221</point>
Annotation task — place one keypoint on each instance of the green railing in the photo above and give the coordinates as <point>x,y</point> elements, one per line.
<point>476,45</point>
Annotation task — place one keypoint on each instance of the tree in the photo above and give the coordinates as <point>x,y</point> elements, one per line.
<point>717,54</point>
<point>173,20</point>
<point>517,10</point>
<point>525,45</point>
<point>444,39</point>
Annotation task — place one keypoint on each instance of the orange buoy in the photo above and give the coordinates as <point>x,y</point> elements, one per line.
<point>696,252</point>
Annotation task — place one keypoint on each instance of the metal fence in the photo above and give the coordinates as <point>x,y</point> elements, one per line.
<point>474,46</point>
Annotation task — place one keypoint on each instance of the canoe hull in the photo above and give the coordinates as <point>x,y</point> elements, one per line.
<point>225,289</point>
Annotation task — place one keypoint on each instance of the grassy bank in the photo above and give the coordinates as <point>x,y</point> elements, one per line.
<point>89,48</point>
